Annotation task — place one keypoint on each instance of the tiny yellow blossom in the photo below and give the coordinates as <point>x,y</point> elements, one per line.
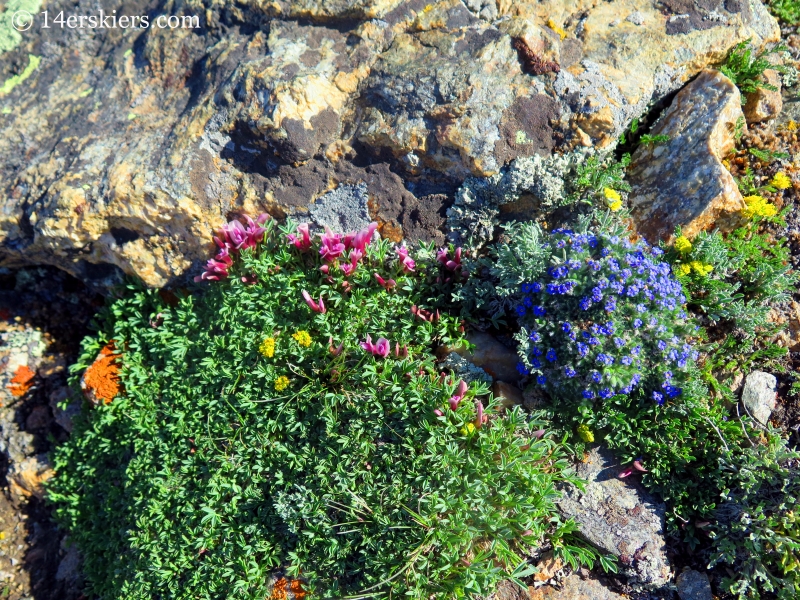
<point>585,433</point>
<point>267,347</point>
<point>781,181</point>
<point>686,269</point>
<point>615,205</point>
<point>757,206</point>
<point>611,194</point>
<point>303,338</point>
<point>700,268</point>
<point>727,164</point>
<point>552,25</point>
<point>467,429</point>
<point>281,383</point>
<point>683,245</point>
<point>791,126</point>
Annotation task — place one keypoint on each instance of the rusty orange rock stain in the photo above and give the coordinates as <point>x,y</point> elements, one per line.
<point>103,375</point>
<point>22,381</point>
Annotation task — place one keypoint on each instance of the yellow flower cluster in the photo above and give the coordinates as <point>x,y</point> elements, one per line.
<point>585,433</point>
<point>757,206</point>
<point>467,429</point>
<point>791,126</point>
<point>552,25</point>
<point>281,383</point>
<point>267,347</point>
<point>781,181</point>
<point>698,267</point>
<point>614,199</point>
<point>683,245</point>
<point>303,338</point>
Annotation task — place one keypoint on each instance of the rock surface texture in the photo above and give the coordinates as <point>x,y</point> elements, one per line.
<point>123,148</point>
<point>619,517</point>
<point>759,395</point>
<point>693,585</point>
<point>682,182</point>
<point>572,587</point>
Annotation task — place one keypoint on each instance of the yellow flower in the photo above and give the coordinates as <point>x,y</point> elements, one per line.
<point>791,126</point>
<point>686,269</point>
<point>615,205</point>
<point>281,383</point>
<point>302,338</point>
<point>781,181</point>
<point>727,164</point>
<point>757,206</point>
<point>683,245</point>
<point>552,25</point>
<point>585,433</point>
<point>467,429</point>
<point>700,268</point>
<point>267,347</point>
<point>611,194</point>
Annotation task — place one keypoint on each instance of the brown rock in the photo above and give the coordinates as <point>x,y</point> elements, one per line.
<point>572,587</point>
<point>764,104</point>
<point>682,181</point>
<point>40,417</point>
<point>27,477</point>
<point>508,394</point>
<point>493,357</point>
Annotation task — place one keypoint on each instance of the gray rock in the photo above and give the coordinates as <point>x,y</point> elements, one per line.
<point>764,104</point>
<point>637,18</point>
<point>759,395</point>
<point>344,209</point>
<point>620,517</point>
<point>682,181</point>
<point>68,568</point>
<point>572,587</point>
<point>693,585</point>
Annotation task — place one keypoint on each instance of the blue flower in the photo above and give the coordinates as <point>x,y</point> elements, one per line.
<point>605,252</point>
<point>521,310</point>
<point>538,311</point>
<point>641,308</point>
<point>659,398</point>
<point>536,363</point>
<point>637,323</point>
<point>596,377</point>
<point>528,302</point>
<point>566,327</point>
<point>523,370</point>
<point>582,349</point>
<point>611,304</point>
<point>569,371</point>
<point>626,360</point>
<point>537,351</point>
<point>657,251</point>
<point>593,341</point>
<point>662,345</point>
<point>619,342</point>
<point>541,380</point>
<point>588,394</point>
<point>636,350</point>
<point>536,287</point>
<point>585,303</point>
<point>551,355</point>
<point>606,393</point>
<point>535,337</point>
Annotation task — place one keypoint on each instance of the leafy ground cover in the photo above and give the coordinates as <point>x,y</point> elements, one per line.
<point>289,419</point>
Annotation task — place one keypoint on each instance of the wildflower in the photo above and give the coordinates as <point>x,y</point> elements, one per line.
<point>480,418</point>
<point>615,205</point>
<point>522,369</point>
<point>551,355</point>
<point>538,311</point>
<point>217,268</point>
<point>425,315</point>
<point>611,195</point>
<point>337,350</point>
<point>387,285</point>
<point>380,348</point>
<point>317,308</point>
<point>659,398</point>
<point>406,261</point>
<point>467,429</point>
<point>566,327</point>
<point>235,236</point>
<point>683,245</point>
<point>456,398</point>
<point>685,269</point>
<point>585,433</point>
<point>781,181</point>
<point>637,464</point>
<point>701,268</point>
<point>332,246</point>
<point>541,380</point>
<point>281,383</point>
<point>302,338</point>
<point>359,241</point>
<point>400,352</point>
<point>450,264</point>
<point>535,337</point>
<point>569,371</point>
<point>301,241</point>
<point>757,206</point>
<point>625,472</point>
<point>552,25</point>
<point>267,347</point>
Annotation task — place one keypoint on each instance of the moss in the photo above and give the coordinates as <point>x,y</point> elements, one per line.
<point>10,38</point>
<point>12,82</point>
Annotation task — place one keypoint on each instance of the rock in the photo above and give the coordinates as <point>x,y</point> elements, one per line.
<point>124,149</point>
<point>508,395</point>
<point>764,104</point>
<point>68,568</point>
<point>39,418</point>
<point>693,585</point>
<point>26,478</point>
<point>572,587</point>
<point>64,416</point>
<point>759,395</point>
<point>619,517</point>
<point>493,357</point>
<point>682,181</point>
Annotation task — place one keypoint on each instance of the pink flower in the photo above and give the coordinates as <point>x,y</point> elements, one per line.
<point>425,315</point>
<point>480,418</point>
<point>461,390</point>
<point>400,352</point>
<point>236,236</point>
<point>332,246</point>
<point>254,232</point>
<point>249,279</point>
<point>638,466</point>
<point>438,413</point>
<point>360,240</point>
<point>380,348</point>
<point>625,472</point>
<point>355,256</point>
<point>450,264</point>
<point>217,267</point>
<point>538,434</point>
<point>325,269</point>
<point>301,241</point>
<point>335,351</point>
<point>406,261</point>
<point>454,401</point>
<point>318,308</point>
<point>387,285</point>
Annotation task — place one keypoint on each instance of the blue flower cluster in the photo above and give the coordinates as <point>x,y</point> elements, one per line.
<point>605,320</point>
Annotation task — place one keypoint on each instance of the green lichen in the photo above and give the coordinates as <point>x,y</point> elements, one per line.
<point>10,38</point>
<point>12,82</point>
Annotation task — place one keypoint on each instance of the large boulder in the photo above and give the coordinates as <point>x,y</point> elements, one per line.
<point>121,149</point>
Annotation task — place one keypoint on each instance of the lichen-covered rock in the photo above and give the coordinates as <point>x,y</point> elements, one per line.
<point>759,395</point>
<point>573,587</point>
<point>765,104</point>
<point>123,149</point>
<point>693,585</point>
<point>683,181</point>
<point>619,517</point>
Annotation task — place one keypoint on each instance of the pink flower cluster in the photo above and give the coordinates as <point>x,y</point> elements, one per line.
<point>424,314</point>
<point>335,245</point>
<point>637,466</point>
<point>233,238</point>
<point>382,347</point>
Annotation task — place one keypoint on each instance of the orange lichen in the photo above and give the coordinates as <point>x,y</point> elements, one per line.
<point>22,381</point>
<point>283,584</point>
<point>297,589</point>
<point>102,377</point>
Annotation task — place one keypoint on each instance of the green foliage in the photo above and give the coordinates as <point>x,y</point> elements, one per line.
<point>206,476</point>
<point>750,272</point>
<point>597,173</point>
<point>767,156</point>
<point>746,69</point>
<point>787,11</point>
<point>645,138</point>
